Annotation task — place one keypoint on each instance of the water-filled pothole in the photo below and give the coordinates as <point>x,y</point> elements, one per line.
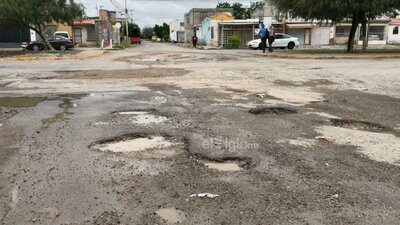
<point>272,111</point>
<point>135,112</point>
<point>134,143</point>
<point>228,166</point>
<point>358,125</point>
<point>21,101</point>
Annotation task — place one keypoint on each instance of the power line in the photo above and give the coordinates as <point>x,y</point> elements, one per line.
<point>116,5</point>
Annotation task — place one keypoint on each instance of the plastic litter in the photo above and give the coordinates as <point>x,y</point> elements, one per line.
<point>203,195</point>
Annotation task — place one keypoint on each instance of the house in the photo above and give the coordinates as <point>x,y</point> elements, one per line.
<point>377,32</point>
<point>393,31</point>
<point>210,24</point>
<point>85,31</point>
<point>177,31</point>
<point>92,30</point>
<point>51,28</point>
<point>196,16</point>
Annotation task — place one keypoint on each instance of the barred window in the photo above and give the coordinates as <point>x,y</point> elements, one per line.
<point>90,34</point>
<point>342,31</point>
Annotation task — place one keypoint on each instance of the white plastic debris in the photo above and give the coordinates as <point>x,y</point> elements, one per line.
<point>203,195</point>
<point>260,95</point>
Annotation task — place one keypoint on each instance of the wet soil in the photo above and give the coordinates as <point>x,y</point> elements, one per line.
<point>133,73</point>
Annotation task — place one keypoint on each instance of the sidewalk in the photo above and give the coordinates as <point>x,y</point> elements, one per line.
<point>285,55</point>
<point>78,53</point>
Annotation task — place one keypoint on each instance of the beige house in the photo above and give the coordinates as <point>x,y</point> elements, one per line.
<point>84,32</point>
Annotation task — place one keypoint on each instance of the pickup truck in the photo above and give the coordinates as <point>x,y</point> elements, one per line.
<point>136,40</point>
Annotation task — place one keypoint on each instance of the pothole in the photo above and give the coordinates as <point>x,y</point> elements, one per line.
<point>134,143</point>
<point>272,111</point>
<point>21,101</point>
<point>228,166</point>
<point>132,113</point>
<point>358,125</point>
<point>143,119</point>
<point>171,215</point>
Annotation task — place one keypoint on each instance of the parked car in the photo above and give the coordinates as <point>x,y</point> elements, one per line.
<point>63,34</point>
<point>136,40</point>
<point>58,42</point>
<point>281,41</point>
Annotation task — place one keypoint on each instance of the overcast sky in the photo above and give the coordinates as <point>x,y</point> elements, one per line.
<point>150,12</point>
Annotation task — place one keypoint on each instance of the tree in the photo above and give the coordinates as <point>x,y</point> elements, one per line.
<point>239,10</point>
<point>358,11</point>
<point>147,33</point>
<point>162,31</point>
<point>133,28</point>
<point>35,14</point>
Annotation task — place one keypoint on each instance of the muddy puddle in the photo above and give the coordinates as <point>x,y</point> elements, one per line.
<point>59,117</point>
<point>21,101</point>
<point>358,125</point>
<point>272,111</point>
<point>66,104</point>
<point>132,113</point>
<point>115,74</point>
<point>134,144</point>
<point>171,215</point>
<point>228,166</point>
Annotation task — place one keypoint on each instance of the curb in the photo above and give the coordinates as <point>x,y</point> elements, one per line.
<point>396,56</point>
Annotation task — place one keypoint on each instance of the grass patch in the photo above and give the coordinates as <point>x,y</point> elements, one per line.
<point>122,45</point>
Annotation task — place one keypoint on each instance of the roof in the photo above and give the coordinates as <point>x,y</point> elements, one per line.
<point>395,22</point>
<point>84,22</point>
<point>240,22</point>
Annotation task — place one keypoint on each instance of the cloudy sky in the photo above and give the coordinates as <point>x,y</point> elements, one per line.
<point>150,12</point>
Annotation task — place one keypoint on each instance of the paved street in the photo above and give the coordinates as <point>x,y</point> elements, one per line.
<point>162,134</point>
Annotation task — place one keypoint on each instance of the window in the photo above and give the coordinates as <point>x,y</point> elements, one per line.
<point>182,24</point>
<point>396,30</point>
<point>342,31</point>
<point>90,34</point>
<point>212,32</point>
<point>376,33</point>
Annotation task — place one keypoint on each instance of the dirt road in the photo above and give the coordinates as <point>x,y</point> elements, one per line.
<point>160,134</point>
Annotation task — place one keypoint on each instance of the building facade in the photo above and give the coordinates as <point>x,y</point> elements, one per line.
<point>194,18</point>
<point>177,31</point>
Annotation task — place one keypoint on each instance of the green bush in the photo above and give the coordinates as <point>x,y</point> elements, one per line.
<point>234,41</point>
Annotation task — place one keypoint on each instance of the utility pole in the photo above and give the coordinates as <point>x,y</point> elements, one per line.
<point>126,17</point>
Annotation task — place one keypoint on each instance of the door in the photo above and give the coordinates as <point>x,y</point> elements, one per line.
<point>77,35</point>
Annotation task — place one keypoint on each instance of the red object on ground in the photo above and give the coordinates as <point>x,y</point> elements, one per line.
<point>136,40</point>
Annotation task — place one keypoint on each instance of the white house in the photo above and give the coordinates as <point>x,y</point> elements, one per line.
<point>177,31</point>
<point>393,31</point>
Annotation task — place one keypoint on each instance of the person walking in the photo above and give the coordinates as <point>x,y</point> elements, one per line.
<point>263,33</point>
<point>271,38</point>
<point>194,41</point>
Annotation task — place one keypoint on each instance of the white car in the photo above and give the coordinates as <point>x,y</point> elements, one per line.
<point>281,41</point>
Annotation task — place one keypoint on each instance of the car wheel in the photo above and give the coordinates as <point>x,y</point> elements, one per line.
<point>35,47</point>
<point>63,47</point>
<point>291,45</point>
